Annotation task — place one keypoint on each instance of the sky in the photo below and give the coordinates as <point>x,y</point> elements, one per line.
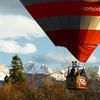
<point>21,35</point>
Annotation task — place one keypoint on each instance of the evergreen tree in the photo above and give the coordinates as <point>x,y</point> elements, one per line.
<point>16,72</point>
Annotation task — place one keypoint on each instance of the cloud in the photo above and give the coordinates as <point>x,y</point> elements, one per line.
<point>60,58</point>
<point>12,7</point>
<point>15,23</point>
<point>54,57</point>
<point>93,59</point>
<point>15,47</point>
<point>12,26</point>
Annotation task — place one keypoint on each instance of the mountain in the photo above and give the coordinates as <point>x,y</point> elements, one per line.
<point>4,70</point>
<point>31,68</point>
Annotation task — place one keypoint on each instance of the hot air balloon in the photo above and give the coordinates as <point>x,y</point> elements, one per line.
<point>73,24</point>
<point>69,23</point>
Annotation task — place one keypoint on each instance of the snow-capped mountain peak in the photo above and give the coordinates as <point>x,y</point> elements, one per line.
<point>31,68</point>
<point>4,70</point>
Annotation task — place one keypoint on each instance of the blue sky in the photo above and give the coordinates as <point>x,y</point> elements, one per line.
<point>21,35</point>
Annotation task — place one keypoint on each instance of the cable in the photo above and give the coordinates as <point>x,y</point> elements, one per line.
<point>32,81</point>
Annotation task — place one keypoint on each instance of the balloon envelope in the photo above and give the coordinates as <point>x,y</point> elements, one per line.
<point>73,24</point>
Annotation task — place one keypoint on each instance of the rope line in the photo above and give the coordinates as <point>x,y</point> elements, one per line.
<point>32,81</point>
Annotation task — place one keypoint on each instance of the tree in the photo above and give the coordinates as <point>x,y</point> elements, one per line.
<point>16,75</point>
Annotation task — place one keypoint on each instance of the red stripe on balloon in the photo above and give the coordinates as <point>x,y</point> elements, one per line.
<point>79,37</point>
<point>66,8</point>
<point>80,43</point>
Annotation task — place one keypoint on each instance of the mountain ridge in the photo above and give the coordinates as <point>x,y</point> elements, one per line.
<point>31,68</point>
